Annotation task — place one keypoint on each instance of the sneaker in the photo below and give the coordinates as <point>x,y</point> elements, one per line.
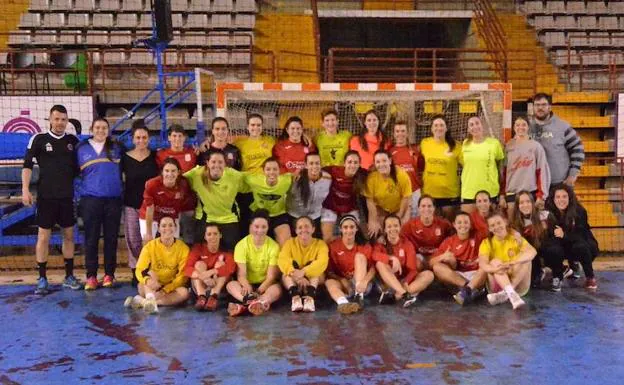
<point>359,299</point>
<point>516,301</point>
<point>236,309</point>
<point>477,293</point>
<point>590,283</point>
<point>497,298</point>
<point>408,300</point>
<point>200,304</point>
<point>296,304</point>
<point>249,297</point>
<point>135,302</point>
<point>72,282</point>
<point>348,308</point>
<point>556,285</point>
<point>92,283</point>
<point>567,272</point>
<point>150,306</point>
<point>308,304</point>
<point>42,286</point>
<point>257,307</point>
<point>212,303</point>
<point>108,281</point>
<point>576,269</point>
<point>464,295</point>
<point>386,298</point>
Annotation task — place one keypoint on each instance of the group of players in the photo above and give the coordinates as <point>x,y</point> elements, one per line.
<point>266,217</point>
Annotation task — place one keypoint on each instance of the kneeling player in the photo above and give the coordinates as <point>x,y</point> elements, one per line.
<point>256,287</point>
<point>163,259</point>
<point>456,262</point>
<point>350,267</point>
<point>398,266</point>
<point>209,268</point>
<point>303,261</point>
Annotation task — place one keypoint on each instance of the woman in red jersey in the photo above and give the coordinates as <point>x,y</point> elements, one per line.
<point>427,231</point>
<point>398,266</point>
<point>484,208</point>
<point>406,156</point>
<point>350,271</point>
<point>166,195</point>
<point>370,139</point>
<point>292,146</point>
<point>347,184</point>
<point>456,262</point>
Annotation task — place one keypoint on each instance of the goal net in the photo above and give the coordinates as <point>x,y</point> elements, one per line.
<point>414,103</point>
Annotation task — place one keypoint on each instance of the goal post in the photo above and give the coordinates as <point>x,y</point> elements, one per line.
<point>415,103</point>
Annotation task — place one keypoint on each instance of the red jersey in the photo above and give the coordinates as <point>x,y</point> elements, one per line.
<point>406,254</point>
<point>407,158</point>
<point>426,239</point>
<point>291,156</point>
<point>200,252</point>
<point>479,226</point>
<point>340,199</point>
<point>186,158</point>
<point>167,201</point>
<point>466,252</point>
<point>342,260</point>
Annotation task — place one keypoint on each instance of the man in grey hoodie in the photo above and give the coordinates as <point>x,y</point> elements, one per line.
<point>563,147</point>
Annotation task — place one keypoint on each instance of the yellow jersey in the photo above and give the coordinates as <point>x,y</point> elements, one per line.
<point>387,193</point>
<point>167,262</point>
<point>255,151</point>
<point>440,178</point>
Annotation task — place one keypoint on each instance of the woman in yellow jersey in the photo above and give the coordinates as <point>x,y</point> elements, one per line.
<point>388,191</point>
<point>257,284</point>
<point>441,156</point>
<point>164,260</point>
<point>269,192</point>
<point>506,257</point>
<point>332,144</point>
<point>303,261</point>
<point>370,139</point>
<point>483,158</point>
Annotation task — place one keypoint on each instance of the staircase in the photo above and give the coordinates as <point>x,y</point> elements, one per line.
<point>11,11</point>
<point>290,38</point>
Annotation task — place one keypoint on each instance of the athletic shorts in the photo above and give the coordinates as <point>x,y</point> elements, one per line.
<point>55,211</point>
<point>496,288</point>
<point>143,228</point>
<point>330,216</point>
<point>445,202</point>
<point>511,198</point>
<point>467,275</point>
<point>282,219</point>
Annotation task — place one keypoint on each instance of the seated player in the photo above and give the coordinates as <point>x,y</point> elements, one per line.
<point>303,261</point>
<point>388,191</point>
<point>209,267</point>
<point>351,270</point>
<point>256,287</point>
<point>160,271</point>
<point>506,257</point>
<point>398,266</point>
<point>427,231</point>
<point>456,262</point>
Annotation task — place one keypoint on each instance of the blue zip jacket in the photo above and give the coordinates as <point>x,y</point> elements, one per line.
<point>100,177</point>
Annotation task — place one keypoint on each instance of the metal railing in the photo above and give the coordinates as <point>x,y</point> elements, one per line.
<point>491,31</point>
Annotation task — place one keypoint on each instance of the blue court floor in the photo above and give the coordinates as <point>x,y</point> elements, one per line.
<point>573,337</point>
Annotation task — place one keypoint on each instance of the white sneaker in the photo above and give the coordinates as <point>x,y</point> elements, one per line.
<point>308,304</point>
<point>516,301</point>
<point>135,302</point>
<point>497,298</point>
<point>296,304</point>
<point>150,306</point>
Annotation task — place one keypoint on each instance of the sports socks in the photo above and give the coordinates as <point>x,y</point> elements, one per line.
<point>42,266</point>
<point>69,267</point>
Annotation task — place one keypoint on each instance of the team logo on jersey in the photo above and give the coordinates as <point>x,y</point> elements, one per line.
<point>332,153</point>
<point>306,150</point>
<point>287,147</point>
<point>187,157</point>
<point>472,243</point>
<point>341,252</point>
<point>178,195</point>
<point>438,232</point>
<point>511,253</point>
<point>70,147</point>
<point>48,147</point>
<point>401,253</point>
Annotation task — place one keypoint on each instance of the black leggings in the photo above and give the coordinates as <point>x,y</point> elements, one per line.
<point>555,250</point>
<point>553,253</point>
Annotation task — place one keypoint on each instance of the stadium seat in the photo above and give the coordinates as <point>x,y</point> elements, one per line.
<point>245,6</point>
<point>171,58</point>
<point>113,58</point>
<point>551,39</point>
<point>182,5</point>
<point>587,22</point>
<point>222,6</point>
<point>110,5</point>
<point>242,39</point>
<point>608,22</point>
<point>141,58</point>
<point>77,20</point>
<point>193,58</point>
<point>30,20</point>
<point>194,39</point>
<point>132,5</point>
<point>617,41</point>
<point>243,21</point>
<point>197,21</point>
<point>218,39</point>
<point>176,20</point>
<point>97,38</point>
<point>555,7</point>
<point>565,22</point>
<point>596,7</point>
<point>575,7</point>
<point>221,21</point>
<point>199,6</point>
<point>19,38</point>
<point>121,38</point>
<point>579,40</point>
<point>45,38</point>
<point>240,57</point>
<point>599,39</point>
<point>61,5</point>
<point>544,22</point>
<point>54,20</point>
<point>39,5</point>
<point>84,5</point>
<point>126,20</point>
<point>145,21</point>
<point>103,20</point>
<point>70,37</point>
<point>616,8</point>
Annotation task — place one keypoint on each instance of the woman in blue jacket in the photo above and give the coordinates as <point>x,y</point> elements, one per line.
<point>101,200</point>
